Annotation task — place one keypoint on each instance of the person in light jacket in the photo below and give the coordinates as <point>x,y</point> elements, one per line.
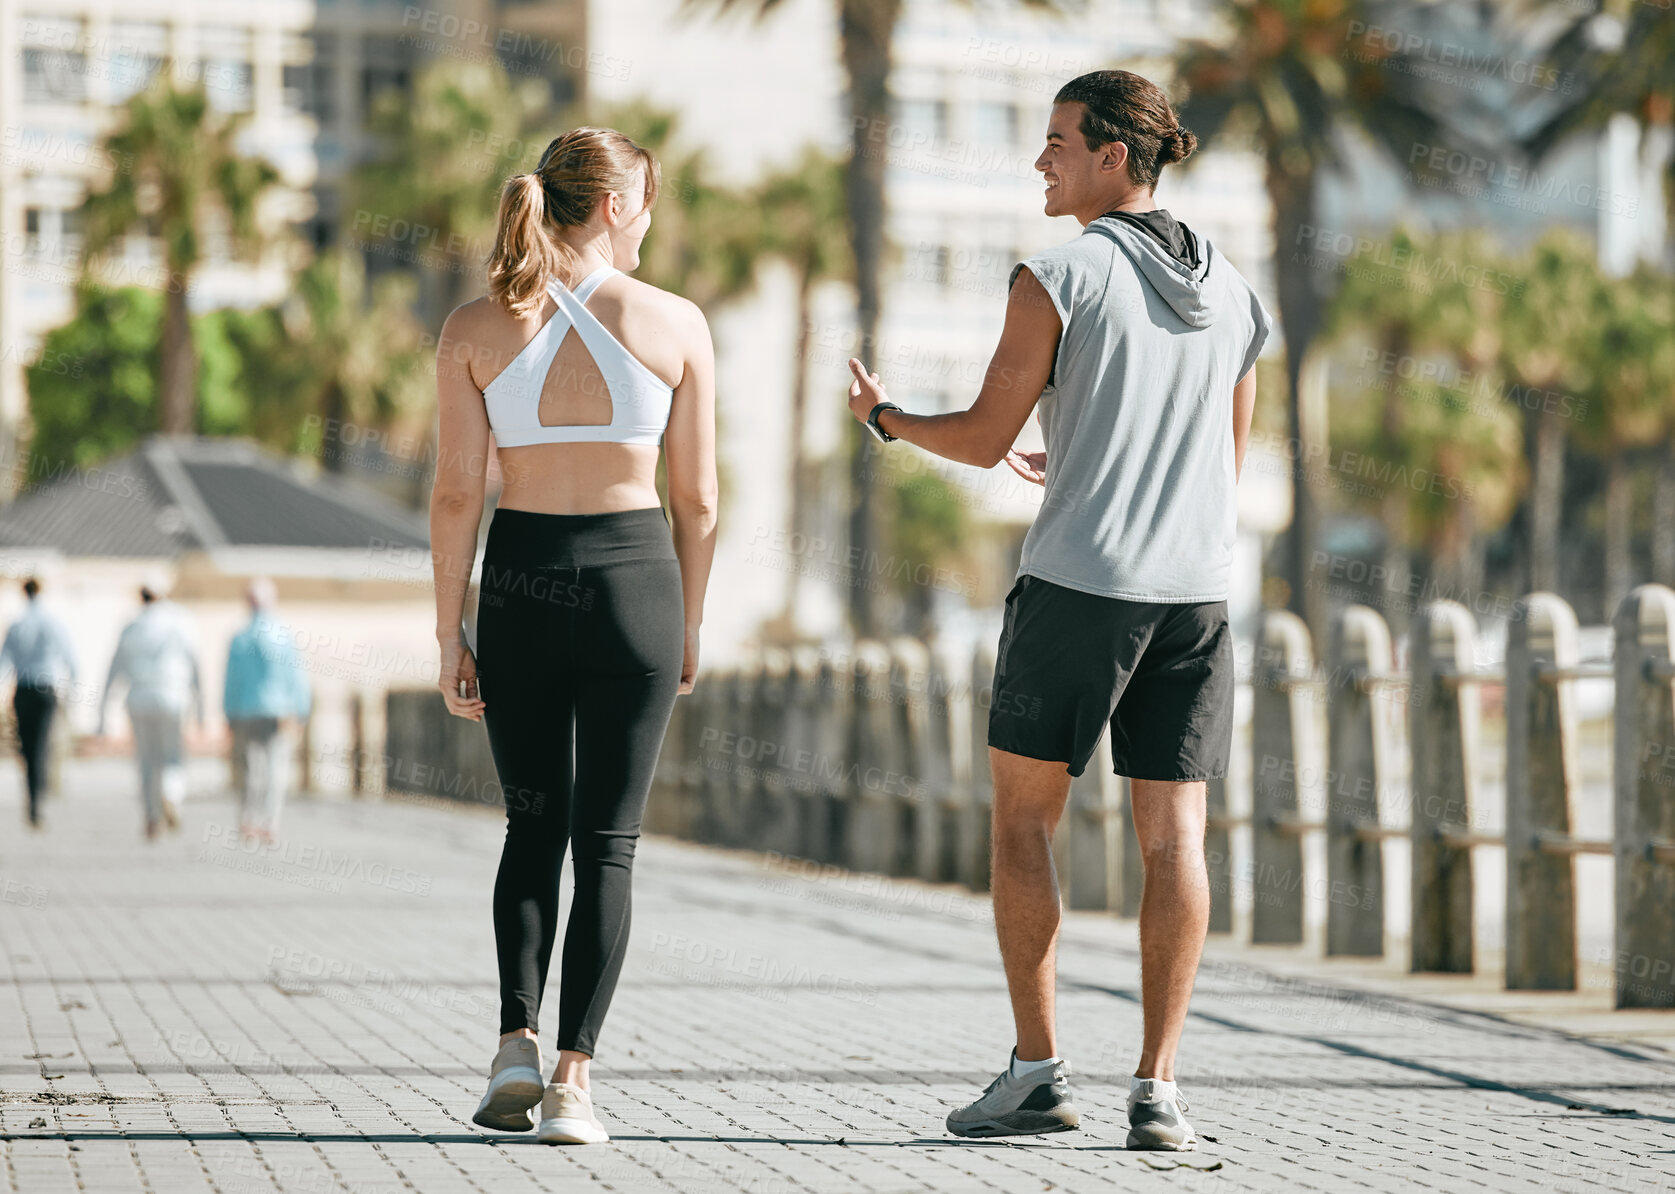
<point>39,651</point>
<point>266,696</point>
<point>155,658</point>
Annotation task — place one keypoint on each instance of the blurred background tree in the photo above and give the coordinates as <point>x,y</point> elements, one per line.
<point>442,154</point>
<point>1543,331</point>
<point>1283,82</point>
<point>866,31</point>
<point>185,182</point>
<point>804,223</point>
<point>1628,355</point>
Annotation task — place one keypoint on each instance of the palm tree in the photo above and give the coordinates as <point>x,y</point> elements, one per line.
<point>1400,318</point>
<point>1621,59</point>
<point>866,32</point>
<point>1617,58</point>
<point>804,223</point>
<point>1630,361</point>
<point>356,350</point>
<point>1543,334</point>
<point>183,181</point>
<point>705,239</point>
<point>1454,429</point>
<point>1282,79</point>
<point>443,152</point>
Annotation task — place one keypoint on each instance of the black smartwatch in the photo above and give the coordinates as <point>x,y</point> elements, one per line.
<point>881,435</point>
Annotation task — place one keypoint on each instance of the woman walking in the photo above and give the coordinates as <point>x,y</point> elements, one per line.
<point>591,596</point>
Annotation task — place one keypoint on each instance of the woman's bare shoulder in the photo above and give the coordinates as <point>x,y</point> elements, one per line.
<point>639,296</point>
<point>476,316</point>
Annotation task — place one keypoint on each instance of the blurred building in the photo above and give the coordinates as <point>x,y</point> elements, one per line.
<point>305,75</point>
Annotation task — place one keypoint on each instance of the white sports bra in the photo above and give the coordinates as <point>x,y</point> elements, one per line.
<point>639,398</point>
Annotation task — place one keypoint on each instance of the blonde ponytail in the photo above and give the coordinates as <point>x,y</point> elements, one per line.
<point>576,171</point>
<point>524,256</point>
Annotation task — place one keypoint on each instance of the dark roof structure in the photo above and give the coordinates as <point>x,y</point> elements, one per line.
<point>178,494</point>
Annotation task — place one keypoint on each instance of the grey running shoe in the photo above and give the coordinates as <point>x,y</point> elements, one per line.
<point>514,1087</point>
<point>1156,1119</point>
<point>567,1117</point>
<point>1029,1106</point>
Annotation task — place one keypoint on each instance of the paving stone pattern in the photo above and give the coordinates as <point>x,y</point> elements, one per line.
<point>195,1015</point>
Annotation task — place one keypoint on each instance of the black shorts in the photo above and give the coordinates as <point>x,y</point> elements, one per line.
<point>1160,674</point>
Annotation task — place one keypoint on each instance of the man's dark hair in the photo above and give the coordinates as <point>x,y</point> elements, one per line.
<point>1119,105</point>
<point>31,587</point>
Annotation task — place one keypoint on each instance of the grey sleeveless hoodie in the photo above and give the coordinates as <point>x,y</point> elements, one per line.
<point>1138,417</point>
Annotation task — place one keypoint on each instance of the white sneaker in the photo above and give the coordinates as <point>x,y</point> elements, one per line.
<point>1156,1119</point>
<point>567,1117</point>
<point>514,1087</point>
<point>1037,1103</point>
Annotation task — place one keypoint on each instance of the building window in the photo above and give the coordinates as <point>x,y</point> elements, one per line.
<point>224,68</point>
<point>137,52</point>
<point>310,76</point>
<point>387,66</point>
<point>927,117</point>
<point>995,124</point>
<point>54,62</point>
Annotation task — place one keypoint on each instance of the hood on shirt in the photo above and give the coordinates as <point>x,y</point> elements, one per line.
<point>1188,292</point>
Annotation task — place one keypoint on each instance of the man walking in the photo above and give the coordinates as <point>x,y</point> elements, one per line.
<point>39,652</point>
<point>265,696</point>
<point>1139,341</point>
<point>154,657</point>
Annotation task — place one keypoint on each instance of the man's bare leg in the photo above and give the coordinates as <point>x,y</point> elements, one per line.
<point>1029,799</point>
<point>1174,912</point>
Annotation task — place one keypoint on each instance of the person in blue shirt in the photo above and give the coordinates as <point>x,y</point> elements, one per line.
<point>266,696</point>
<point>38,650</point>
<point>156,659</point>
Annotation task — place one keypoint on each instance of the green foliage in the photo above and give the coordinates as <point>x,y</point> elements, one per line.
<point>706,238</point>
<point>928,527</point>
<point>93,389</point>
<point>443,152</point>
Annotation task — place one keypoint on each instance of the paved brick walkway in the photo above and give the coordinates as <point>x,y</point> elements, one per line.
<point>189,1016</point>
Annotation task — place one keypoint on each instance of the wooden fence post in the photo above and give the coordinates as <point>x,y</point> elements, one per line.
<point>1094,838</point>
<point>1218,856</point>
<point>921,685</point>
<point>1644,778</point>
<point>1284,662</point>
<point>806,706</point>
<point>834,712</point>
<point>1357,767</point>
<point>974,834</point>
<point>1540,777</point>
<point>1443,717</point>
<point>873,841</point>
<point>771,824</point>
<point>903,779</point>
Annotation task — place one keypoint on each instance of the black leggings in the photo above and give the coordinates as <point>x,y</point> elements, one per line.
<point>581,634</point>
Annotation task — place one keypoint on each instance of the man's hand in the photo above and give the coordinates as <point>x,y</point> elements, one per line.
<point>865,392</point>
<point>1031,466</point>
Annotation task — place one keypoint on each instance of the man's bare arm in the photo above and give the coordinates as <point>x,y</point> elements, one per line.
<point>1244,405</point>
<point>1018,372</point>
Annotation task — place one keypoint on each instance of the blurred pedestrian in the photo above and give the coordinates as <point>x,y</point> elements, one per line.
<point>266,696</point>
<point>38,650</point>
<point>155,658</point>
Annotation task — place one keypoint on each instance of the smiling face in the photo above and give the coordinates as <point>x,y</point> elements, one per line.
<point>1081,182</point>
